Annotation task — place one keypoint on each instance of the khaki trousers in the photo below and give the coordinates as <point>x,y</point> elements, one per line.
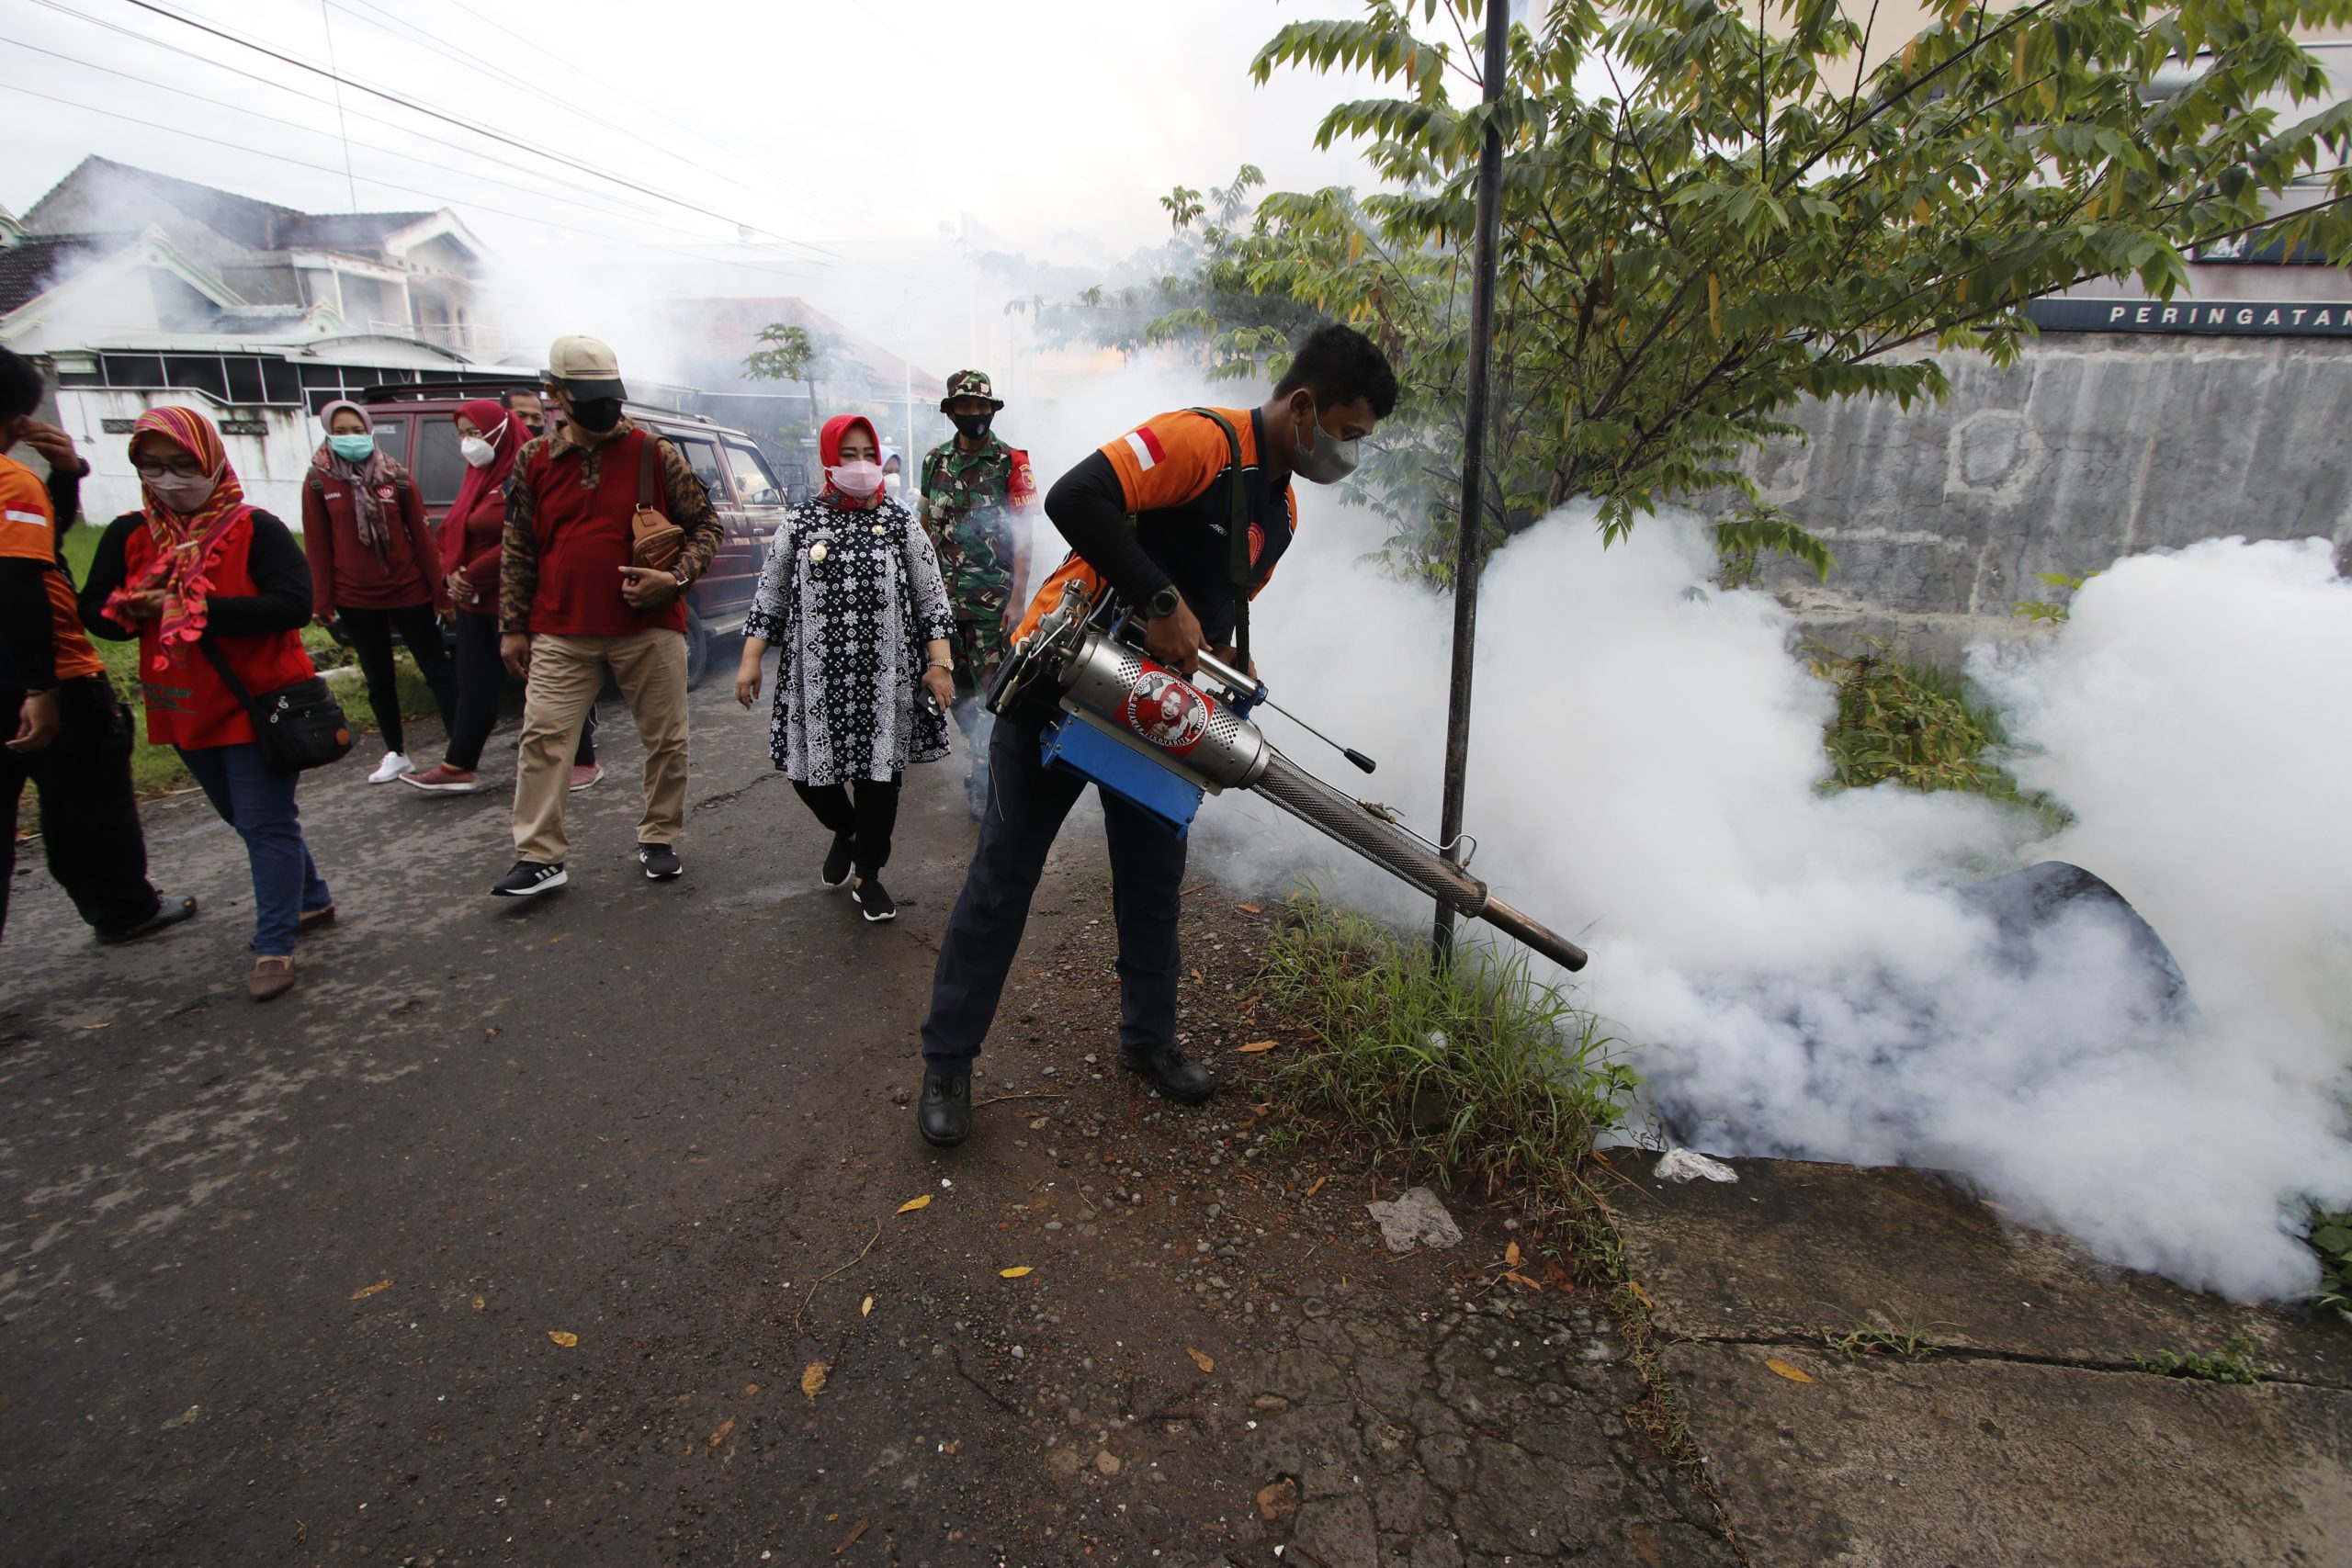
<point>566,674</point>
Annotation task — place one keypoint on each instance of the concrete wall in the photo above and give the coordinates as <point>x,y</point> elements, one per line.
<point>2090,447</point>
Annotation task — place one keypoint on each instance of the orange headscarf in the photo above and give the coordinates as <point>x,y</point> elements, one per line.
<point>185,543</point>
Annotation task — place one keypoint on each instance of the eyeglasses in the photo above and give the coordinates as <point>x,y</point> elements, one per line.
<point>178,467</point>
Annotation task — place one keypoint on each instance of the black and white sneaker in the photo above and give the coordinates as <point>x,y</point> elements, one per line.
<point>660,861</point>
<point>527,878</point>
<point>837,859</point>
<point>873,900</point>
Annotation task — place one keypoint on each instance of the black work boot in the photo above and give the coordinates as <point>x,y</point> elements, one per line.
<point>944,1112</point>
<point>1175,1074</point>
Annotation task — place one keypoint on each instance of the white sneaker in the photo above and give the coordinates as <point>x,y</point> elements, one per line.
<point>391,767</point>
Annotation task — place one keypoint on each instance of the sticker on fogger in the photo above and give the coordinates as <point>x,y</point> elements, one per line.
<point>1166,712</point>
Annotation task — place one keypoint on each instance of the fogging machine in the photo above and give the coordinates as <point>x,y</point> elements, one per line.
<point>1159,742</point>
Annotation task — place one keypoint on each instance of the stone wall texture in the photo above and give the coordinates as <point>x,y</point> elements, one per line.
<point>2087,449</point>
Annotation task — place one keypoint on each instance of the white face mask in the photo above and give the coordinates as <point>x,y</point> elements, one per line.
<point>478,452</point>
<point>893,482</point>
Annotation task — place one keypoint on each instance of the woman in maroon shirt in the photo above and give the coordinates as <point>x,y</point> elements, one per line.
<point>492,438</point>
<point>374,565</point>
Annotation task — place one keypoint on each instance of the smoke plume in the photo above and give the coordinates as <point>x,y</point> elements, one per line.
<point>1806,975</point>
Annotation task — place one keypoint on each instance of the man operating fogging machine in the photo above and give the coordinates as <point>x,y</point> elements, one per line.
<point>1148,517</point>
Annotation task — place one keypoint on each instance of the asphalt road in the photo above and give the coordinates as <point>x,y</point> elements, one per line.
<point>632,1112</point>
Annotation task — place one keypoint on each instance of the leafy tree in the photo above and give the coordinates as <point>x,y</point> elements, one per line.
<point>1709,213</point>
<point>791,355</point>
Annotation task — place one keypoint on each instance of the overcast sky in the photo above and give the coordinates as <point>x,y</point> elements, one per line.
<point>828,144</point>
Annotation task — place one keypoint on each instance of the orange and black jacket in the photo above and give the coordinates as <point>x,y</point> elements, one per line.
<point>41,640</point>
<point>1155,507</point>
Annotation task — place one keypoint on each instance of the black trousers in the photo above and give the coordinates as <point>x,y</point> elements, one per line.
<point>482,676</point>
<point>866,809</point>
<point>1027,803</point>
<point>89,820</point>
<point>371,632</point>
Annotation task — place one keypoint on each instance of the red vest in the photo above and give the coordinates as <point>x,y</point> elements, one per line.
<point>188,703</point>
<point>584,540</point>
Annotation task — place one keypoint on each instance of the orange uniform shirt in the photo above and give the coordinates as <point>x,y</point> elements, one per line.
<point>1171,465</point>
<point>28,532</point>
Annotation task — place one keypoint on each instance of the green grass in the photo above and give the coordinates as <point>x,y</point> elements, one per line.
<point>1906,1340</point>
<point>2234,1364</point>
<point>1471,1074</point>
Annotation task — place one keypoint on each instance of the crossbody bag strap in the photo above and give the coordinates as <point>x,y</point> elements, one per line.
<point>229,677</point>
<point>1240,574</point>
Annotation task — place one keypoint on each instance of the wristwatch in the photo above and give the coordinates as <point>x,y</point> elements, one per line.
<point>679,573</point>
<point>1164,602</point>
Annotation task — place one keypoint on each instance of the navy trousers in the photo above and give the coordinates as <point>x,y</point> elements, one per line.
<point>1027,803</point>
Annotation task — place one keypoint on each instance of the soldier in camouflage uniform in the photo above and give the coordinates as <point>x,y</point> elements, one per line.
<point>973,488</point>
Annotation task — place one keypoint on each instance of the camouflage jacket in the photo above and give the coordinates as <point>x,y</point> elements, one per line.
<point>969,502</point>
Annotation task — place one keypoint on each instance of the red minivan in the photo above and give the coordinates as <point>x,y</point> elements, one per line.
<point>414,423</point>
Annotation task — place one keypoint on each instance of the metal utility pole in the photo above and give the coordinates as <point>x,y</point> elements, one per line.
<point>1474,462</point>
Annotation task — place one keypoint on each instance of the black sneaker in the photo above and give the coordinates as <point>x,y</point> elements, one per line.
<point>837,859</point>
<point>873,900</point>
<point>1175,1074</point>
<point>944,1112</point>
<point>660,861</point>
<point>527,878</point>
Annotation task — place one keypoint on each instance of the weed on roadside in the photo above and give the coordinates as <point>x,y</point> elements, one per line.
<point>1471,1073</point>
<point>2234,1364</point>
<point>1906,1340</point>
<point>2330,1238</point>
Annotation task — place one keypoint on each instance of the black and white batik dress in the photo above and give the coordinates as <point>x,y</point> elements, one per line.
<point>850,598</point>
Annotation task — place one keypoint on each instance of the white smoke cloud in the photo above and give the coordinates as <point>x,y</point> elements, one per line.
<point>1799,973</point>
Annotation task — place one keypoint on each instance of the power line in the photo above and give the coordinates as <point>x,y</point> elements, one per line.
<point>477,130</point>
<point>472,153</point>
<point>394,184</point>
<point>635,210</point>
<point>327,22</point>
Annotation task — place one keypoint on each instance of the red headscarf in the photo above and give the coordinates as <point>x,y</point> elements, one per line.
<point>506,434</point>
<point>185,543</point>
<point>828,452</point>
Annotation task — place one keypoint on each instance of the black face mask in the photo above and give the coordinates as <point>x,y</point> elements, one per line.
<point>973,426</point>
<point>597,415</point>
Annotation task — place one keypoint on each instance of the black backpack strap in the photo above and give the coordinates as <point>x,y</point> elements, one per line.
<point>1240,572</point>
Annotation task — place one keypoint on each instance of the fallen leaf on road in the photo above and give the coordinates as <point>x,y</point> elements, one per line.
<point>912,1204</point>
<point>749,1389</point>
<point>364,1292</point>
<point>564,1337</point>
<point>1247,908</point>
<point>868,1309</point>
<point>1012,1273</point>
<point>1318,1187</point>
<point>1556,1275</point>
<point>183,1417</point>
<point>1278,1499</point>
<point>724,1427</point>
<point>479,1303</point>
<point>1640,1294</point>
<point>812,1379</point>
<point>1516,1278</point>
<point>1511,1255</point>
<point>1198,975</point>
<point>1206,1363</point>
<point>1257,1045</point>
<point>1794,1374</point>
<point>851,1539</point>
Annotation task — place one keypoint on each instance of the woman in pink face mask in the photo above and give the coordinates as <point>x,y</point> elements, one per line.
<point>852,599</point>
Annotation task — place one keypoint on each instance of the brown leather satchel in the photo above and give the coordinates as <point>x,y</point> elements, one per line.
<point>656,539</point>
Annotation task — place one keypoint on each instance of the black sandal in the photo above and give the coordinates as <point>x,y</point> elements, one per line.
<point>168,912</point>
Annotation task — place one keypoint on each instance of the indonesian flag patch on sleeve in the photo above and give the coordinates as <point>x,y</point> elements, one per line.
<point>1147,447</point>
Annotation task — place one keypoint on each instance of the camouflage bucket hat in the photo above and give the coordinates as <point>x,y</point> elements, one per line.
<point>970,384</point>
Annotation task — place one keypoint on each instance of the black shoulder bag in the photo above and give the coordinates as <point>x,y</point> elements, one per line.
<point>298,727</point>
<point>1239,569</point>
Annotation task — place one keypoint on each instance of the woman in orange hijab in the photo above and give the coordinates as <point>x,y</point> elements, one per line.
<point>197,564</point>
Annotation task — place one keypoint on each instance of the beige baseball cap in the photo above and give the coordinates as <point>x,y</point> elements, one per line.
<point>586,366</point>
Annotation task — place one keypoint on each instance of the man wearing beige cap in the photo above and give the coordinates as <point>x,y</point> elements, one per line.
<point>591,581</point>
